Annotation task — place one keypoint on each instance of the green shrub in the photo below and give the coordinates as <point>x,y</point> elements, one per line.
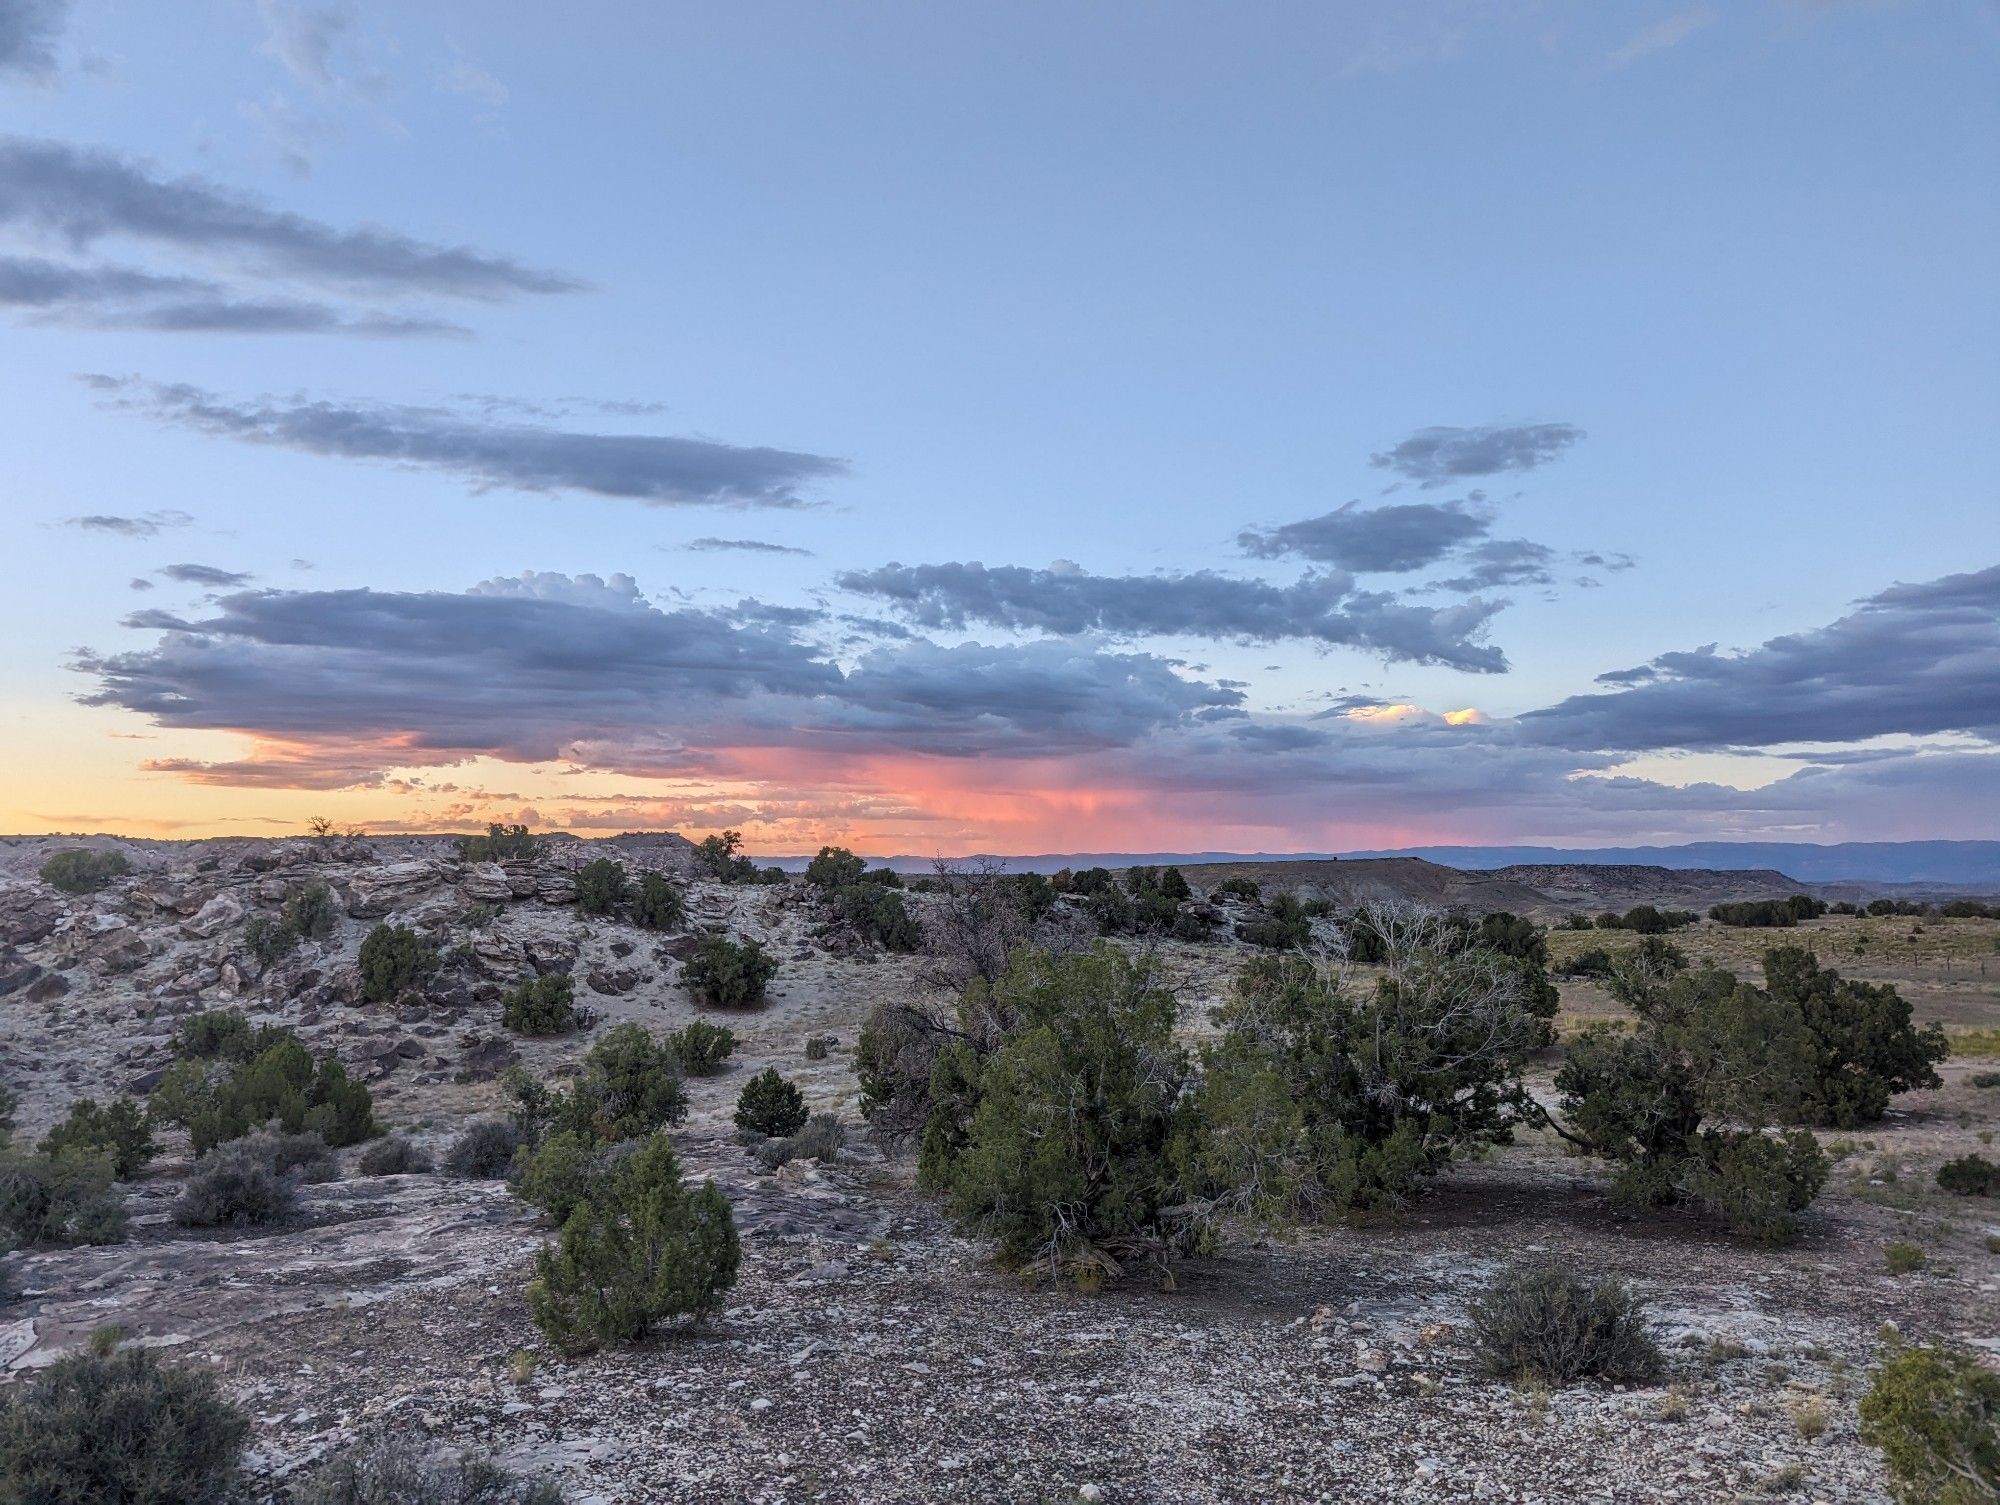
<point>1904,1258</point>
<point>816,1047</point>
<point>1284,925</point>
<point>600,887</point>
<point>724,974</point>
<point>888,877</point>
<point>1935,1414</point>
<point>499,844</point>
<point>394,959</point>
<point>877,914</point>
<point>120,1428</point>
<point>403,1472</point>
<point>720,857</point>
<point>541,1006</point>
<point>395,1156</point>
<point>1541,1323</point>
<point>485,1150</point>
<point>701,1047</point>
<point>215,1035</point>
<point>310,912</point>
<point>835,868</point>
<point>1239,888</point>
<point>629,1085</point>
<point>559,1174</point>
<point>1327,1098</point>
<point>269,939</point>
<point>642,1249</point>
<point>120,1131</point>
<point>236,1187</point>
<point>1985,1079</point>
<point>1593,961</point>
<point>771,1106</point>
<point>219,1099</point>
<point>658,904</point>
<point>821,1139</point>
<point>59,1199</point>
<point>1970,1176</point>
<point>83,871</point>
<point>1071,1142</point>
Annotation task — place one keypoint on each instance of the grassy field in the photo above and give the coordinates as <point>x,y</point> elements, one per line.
<point>1949,970</point>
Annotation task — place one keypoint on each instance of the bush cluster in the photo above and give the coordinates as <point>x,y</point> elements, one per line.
<point>229,1079</point>
<point>835,868</point>
<point>80,870</point>
<point>120,1131</point>
<point>240,1185</point>
<point>877,914</point>
<point>541,1006</point>
<point>309,913</point>
<point>499,844</point>
<point>600,887</point>
<point>1970,1176</point>
<point>1778,914</point>
<point>629,1085</point>
<point>721,858</point>
<point>485,1150</point>
<point>1643,918</point>
<point>394,959</point>
<point>770,1105</point>
<point>120,1425</point>
<point>657,903</point>
<point>396,1155</point>
<point>1935,1414</point>
<point>1284,925</point>
<point>56,1199</point>
<point>821,1139</point>
<point>1545,1324</point>
<point>386,1471</point>
<point>728,974</point>
<point>701,1047</point>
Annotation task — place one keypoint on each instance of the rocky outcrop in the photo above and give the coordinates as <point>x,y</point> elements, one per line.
<point>217,915</point>
<point>379,891</point>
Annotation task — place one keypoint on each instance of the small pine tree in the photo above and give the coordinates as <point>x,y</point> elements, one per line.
<point>83,871</point>
<point>394,958</point>
<point>702,1047</point>
<point>725,974</point>
<point>658,904</point>
<point>600,887</point>
<point>541,1006</point>
<point>771,1106</point>
<point>120,1131</point>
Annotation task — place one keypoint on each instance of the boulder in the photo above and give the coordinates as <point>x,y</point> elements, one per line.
<point>487,883</point>
<point>499,955</point>
<point>28,913</point>
<point>521,877</point>
<point>16,973</point>
<point>165,895</point>
<point>553,886</point>
<point>613,982</point>
<point>214,917</point>
<point>378,891</point>
<point>486,1056</point>
<point>49,985</point>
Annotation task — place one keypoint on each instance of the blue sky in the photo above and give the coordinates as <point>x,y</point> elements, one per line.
<point>1102,285</point>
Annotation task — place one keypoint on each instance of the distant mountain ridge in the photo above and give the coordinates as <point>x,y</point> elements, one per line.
<point>1952,864</point>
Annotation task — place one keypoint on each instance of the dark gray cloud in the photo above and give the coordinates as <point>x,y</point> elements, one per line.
<point>28,32</point>
<point>146,525</point>
<point>1441,456</point>
<point>344,684</point>
<point>203,574</point>
<point>1918,659</point>
<point>114,297</point>
<point>657,469</point>
<point>1323,608</point>
<point>1501,562</point>
<point>79,196</point>
<point>744,546</point>
<point>1406,536</point>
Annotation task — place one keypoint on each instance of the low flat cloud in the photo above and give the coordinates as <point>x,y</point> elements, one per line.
<point>1442,456</point>
<point>1499,562</point>
<point>1390,540</point>
<point>28,33</point>
<point>1321,608</point>
<point>1920,660</point>
<point>744,546</point>
<point>145,525</point>
<point>203,574</point>
<point>660,470</point>
<point>111,297</point>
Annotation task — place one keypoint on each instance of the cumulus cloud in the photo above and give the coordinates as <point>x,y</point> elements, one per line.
<point>1321,608</point>
<point>661,470</point>
<point>146,525</point>
<point>203,574</point>
<point>1919,659</point>
<point>1441,456</point>
<point>28,32</point>
<point>337,686</point>
<point>744,546</point>
<point>1406,536</point>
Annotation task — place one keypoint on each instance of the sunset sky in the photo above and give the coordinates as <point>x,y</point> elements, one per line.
<point>1018,428</point>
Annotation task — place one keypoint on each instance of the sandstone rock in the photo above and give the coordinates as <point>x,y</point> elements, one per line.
<point>27,914</point>
<point>486,1056</point>
<point>487,883</point>
<point>380,890</point>
<point>521,877</point>
<point>214,917</point>
<point>553,887</point>
<point>499,955</point>
<point>49,985</point>
<point>167,896</point>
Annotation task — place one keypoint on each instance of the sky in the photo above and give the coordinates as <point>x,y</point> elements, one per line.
<point>1015,428</point>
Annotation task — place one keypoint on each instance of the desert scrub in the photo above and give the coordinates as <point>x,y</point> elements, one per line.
<point>1542,1322</point>
<point>269,938</point>
<point>1903,1258</point>
<point>559,1174</point>
<point>657,904</point>
<point>394,1156</point>
<point>120,1131</point>
<point>600,887</point>
<point>727,974</point>
<point>236,1187</point>
<point>119,1425</point>
<point>394,959</point>
<point>816,1047</point>
<point>701,1047</point>
<point>485,1150</point>
<point>1935,1414</point>
<point>541,1006</point>
<point>400,1471</point>
<point>310,912</point>
<point>230,1079</point>
<point>1969,1176</point>
<point>1810,1415</point>
<point>771,1106</point>
<point>60,1199</point>
<point>629,1086</point>
<point>821,1139</point>
<point>82,871</point>
<point>642,1249</point>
